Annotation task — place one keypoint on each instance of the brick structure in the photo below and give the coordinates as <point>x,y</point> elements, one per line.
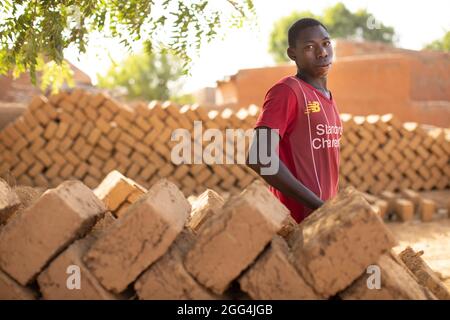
<point>139,238</point>
<point>273,276</point>
<point>30,240</point>
<point>231,240</point>
<point>345,226</point>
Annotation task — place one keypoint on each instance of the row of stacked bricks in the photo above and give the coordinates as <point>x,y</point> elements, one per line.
<point>84,136</point>
<point>165,247</point>
<point>380,153</point>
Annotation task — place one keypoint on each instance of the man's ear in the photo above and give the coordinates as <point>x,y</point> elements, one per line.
<point>291,53</point>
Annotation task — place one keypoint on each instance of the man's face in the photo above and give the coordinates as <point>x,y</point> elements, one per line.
<point>313,53</point>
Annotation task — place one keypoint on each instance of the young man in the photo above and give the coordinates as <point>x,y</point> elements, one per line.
<point>302,111</point>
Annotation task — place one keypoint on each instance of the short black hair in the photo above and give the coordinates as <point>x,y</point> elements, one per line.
<point>300,25</point>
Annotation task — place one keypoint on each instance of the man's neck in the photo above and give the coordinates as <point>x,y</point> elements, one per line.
<point>318,83</point>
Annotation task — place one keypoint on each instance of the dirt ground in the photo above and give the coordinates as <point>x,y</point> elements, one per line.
<point>431,237</point>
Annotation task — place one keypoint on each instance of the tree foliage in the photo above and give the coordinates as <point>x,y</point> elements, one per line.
<point>34,34</point>
<point>440,44</point>
<point>149,76</point>
<point>340,22</point>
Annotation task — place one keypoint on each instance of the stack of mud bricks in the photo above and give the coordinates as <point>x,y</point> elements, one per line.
<point>163,247</point>
<point>380,153</point>
<point>405,205</point>
<point>82,135</point>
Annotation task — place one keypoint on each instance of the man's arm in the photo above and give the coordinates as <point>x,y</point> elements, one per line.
<point>283,180</point>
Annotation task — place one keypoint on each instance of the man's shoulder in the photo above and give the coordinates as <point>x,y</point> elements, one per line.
<point>284,85</point>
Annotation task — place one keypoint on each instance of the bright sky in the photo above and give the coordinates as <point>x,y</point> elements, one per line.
<point>415,22</point>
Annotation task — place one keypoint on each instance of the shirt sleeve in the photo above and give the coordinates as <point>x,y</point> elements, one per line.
<point>279,109</point>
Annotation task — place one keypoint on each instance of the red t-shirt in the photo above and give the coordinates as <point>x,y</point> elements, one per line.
<point>310,129</point>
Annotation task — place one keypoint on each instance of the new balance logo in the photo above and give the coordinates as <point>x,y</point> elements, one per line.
<point>313,106</point>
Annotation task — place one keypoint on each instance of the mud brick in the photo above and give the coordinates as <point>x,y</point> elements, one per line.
<point>105,143</point>
<point>102,153</point>
<point>122,158</point>
<point>9,201</point>
<point>67,118</point>
<point>36,102</point>
<point>11,290</point>
<point>91,113</point>
<point>12,132</point>
<point>51,146</point>
<point>151,137</point>
<point>136,194</point>
<point>19,169</point>
<point>138,158</point>
<point>80,170</point>
<point>136,132</point>
<point>381,207</point>
<point>127,139</point>
<point>67,105</point>
<point>166,170</point>
<point>397,283</point>
<point>22,126</point>
<point>90,181</point>
<point>120,212</point>
<point>143,124</point>
<point>115,189</point>
<point>411,195</point>
<point>29,119</point>
<point>72,158</point>
<point>167,279</point>
<point>41,181</point>
<point>97,99</point>
<point>345,226</point>
<point>139,238</point>
<point>53,280</point>
<point>50,110</point>
<point>273,276</point>
<point>288,226</point>
<point>109,166</point>
<point>65,144</point>
<point>36,169</point>
<point>389,197</point>
<point>122,121</point>
<point>94,136</point>
<point>133,171</point>
<point>44,157</point>
<point>112,106</point>
<point>63,127</point>
<point>424,274</point>
<point>58,158</point>
<point>203,208</point>
<point>240,232</point>
<point>404,209</point>
<point>105,113</point>
<point>85,152</point>
<point>86,129</point>
<point>66,171</point>
<point>123,148</point>
<point>75,129</point>
<point>79,116</point>
<point>19,144</point>
<point>426,209</point>
<point>84,101</point>
<point>142,148</point>
<point>95,172</point>
<point>114,133</point>
<point>58,217</point>
<point>102,125</point>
